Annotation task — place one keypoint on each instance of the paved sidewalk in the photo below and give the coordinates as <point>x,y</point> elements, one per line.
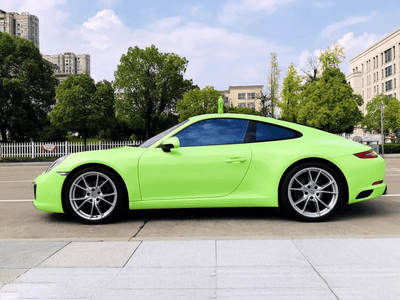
<point>202,269</point>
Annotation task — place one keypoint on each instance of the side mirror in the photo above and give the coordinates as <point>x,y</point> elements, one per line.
<point>168,144</point>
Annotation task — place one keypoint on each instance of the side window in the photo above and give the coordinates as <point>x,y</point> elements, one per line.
<point>214,132</point>
<point>268,132</point>
<point>263,132</point>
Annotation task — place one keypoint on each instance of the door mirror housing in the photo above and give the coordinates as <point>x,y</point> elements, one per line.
<point>170,143</point>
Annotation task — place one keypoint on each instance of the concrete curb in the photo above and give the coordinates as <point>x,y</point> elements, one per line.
<point>394,155</point>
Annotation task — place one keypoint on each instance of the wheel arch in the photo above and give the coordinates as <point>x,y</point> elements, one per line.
<point>108,168</point>
<point>320,160</point>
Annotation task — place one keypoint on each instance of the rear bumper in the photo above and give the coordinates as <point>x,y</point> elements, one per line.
<point>386,191</point>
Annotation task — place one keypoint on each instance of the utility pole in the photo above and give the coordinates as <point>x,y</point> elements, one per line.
<point>383,136</point>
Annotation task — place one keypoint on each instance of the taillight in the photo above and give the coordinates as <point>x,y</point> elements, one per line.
<point>366,154</point>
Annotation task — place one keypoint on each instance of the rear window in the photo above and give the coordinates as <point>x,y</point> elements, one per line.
<point>263,132</point>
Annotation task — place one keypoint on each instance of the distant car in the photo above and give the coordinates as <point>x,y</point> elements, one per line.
<point>217,160</point>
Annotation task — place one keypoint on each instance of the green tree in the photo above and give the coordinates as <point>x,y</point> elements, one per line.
<point>149,84</point>
<point>27,89</point>
<point>391,112</point>
<point>198,102</point>
<point>291,95</point>
<point>333,56</point>
<point>83,106</point>
<point>330,104</point>
<point>241,110</point>
<point>270,97</point>
<point>392,115</point>
<point>51,133</point>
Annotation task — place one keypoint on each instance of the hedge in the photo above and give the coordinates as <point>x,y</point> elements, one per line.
<point>390,148</point>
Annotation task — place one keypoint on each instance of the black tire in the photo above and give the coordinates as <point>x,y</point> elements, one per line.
<point>94,195</point>
<point>312,192</point>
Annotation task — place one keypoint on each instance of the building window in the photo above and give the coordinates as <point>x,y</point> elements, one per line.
<point>394,68</point>
<point>251,95</point>
<point>388,71</point>
<point>242,96</point>
<point>394,82</point>
<point>252,106</point>
<point>226,99</point>
<point>389,85</point>
<point>388,55</point>
<point>242,104</point>
<point>390,96</point>
<point>394,53</point>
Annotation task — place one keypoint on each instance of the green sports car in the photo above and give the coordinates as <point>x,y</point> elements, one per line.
<point>217,160</point>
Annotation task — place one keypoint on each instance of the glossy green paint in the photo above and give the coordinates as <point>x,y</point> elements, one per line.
<point>242,175</point>
<point>193,172</point>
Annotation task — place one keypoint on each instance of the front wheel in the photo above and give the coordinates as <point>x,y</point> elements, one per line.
<point>93,196</point>
<point>312,192</point>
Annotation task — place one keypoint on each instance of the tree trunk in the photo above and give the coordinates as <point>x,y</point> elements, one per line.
<point>84,139</point>
<point>3,134</point>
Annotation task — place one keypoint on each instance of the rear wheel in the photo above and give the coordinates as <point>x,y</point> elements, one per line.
<point>312,192</point>
<point>93,196</point>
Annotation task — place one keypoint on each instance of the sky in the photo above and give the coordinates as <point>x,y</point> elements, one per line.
<point>226,42</point>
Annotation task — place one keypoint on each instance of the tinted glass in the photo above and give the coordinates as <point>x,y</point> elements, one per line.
<point>267,132</point>
<point>159,136</point>
<point>213,132</point>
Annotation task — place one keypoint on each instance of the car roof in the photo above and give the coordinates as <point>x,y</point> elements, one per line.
<point>250,117</point>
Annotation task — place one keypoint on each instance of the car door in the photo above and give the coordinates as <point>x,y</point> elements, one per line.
<point>211,162</point>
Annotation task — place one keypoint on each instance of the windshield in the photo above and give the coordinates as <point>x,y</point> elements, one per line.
<point>159,136</point>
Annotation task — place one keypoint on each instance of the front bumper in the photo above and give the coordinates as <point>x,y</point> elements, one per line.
<point>48,192</point>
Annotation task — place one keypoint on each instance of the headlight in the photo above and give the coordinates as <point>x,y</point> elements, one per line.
<point>56,163</point>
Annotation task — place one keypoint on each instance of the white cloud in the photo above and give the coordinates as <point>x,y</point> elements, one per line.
<point>333,28</point>
<point>235,8</point>
<point>104,19</point>
<point>323,4</point>
<point>354,45</point>
<point>108,3</point>
<point>216,55</point>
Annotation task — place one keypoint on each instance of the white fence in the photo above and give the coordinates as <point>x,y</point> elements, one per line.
<point>33,149</point>
<point>364,138</point>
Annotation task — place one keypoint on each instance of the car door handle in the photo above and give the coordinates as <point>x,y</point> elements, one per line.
<point>236,160</point>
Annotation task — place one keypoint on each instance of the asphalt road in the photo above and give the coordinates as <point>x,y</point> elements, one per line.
<point>20,221</point>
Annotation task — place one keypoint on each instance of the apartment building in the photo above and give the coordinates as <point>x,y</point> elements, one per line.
<point>23,25</point>
<point>69,63</point>
<point>376,70</point>
<point>243,96</point>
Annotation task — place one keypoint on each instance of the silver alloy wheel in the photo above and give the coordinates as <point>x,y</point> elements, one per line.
<point>313,192</point>
<point>93,195</point>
